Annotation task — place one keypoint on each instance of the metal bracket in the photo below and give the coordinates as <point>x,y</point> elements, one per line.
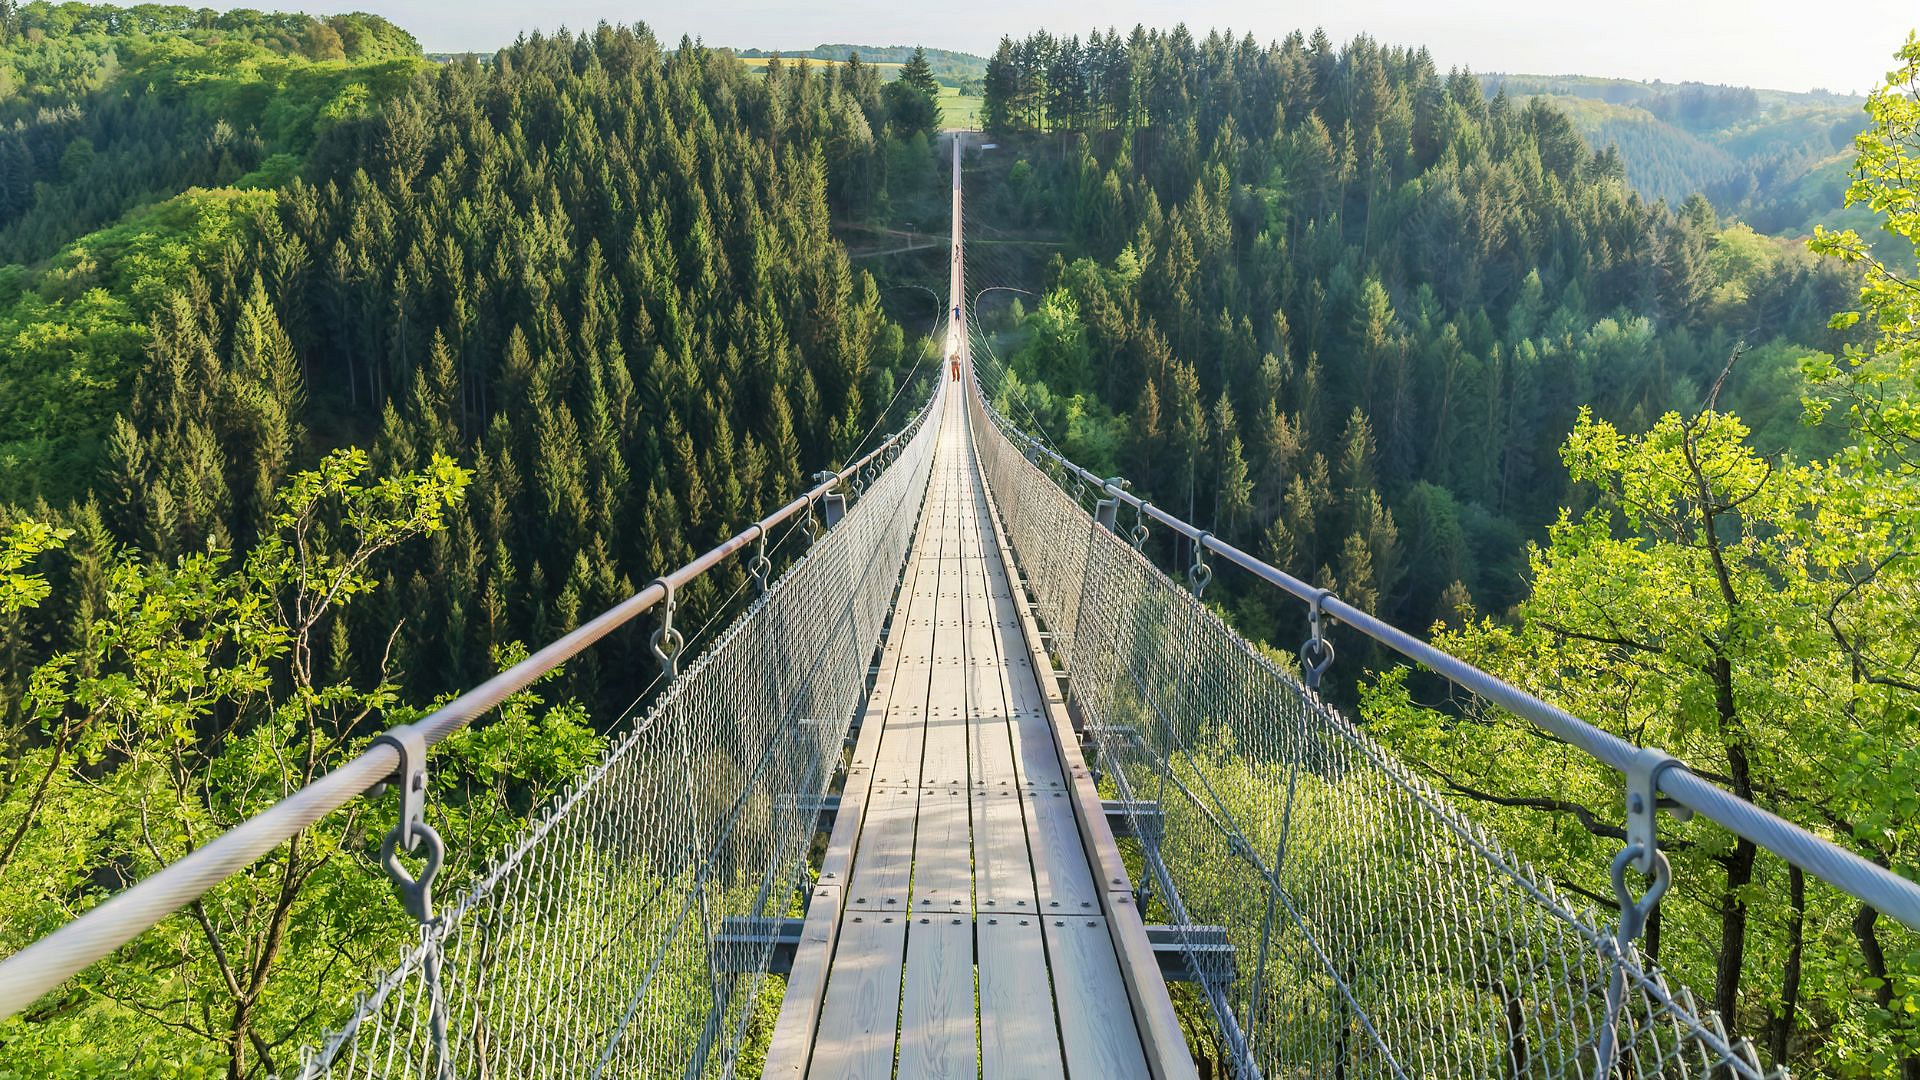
<point>1644,805</point>
<point>411,777</point>
<point>833,504</point>
<point>1106,510</point>
<point>1139,818</point>
<point>1201,954</point>
<point>416,893</point>
<point>743,939</point>
<point>823,810</point>
<point>1199,575</point>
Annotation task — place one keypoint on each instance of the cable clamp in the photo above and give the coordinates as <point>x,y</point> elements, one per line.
<point>1644,803</point>
<point>1106,510</point>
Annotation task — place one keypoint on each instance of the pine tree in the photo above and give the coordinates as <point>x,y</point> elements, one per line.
<point>918,74</point>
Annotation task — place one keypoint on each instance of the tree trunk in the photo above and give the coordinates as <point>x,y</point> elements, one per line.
<point>1739,863</point>
<point>1780,1032</point>
<point>1876,958</point>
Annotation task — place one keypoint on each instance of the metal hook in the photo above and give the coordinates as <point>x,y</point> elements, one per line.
<point>416,893</point>
<point>1317,654</point>
<point>1199,575</point>
<point>667,642</point>
<point>760,568</point>
<point>1139,534</point>
<point>1634,912</point>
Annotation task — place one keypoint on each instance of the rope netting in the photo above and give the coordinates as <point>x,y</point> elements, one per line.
<point>604,942</point>
<point>1376,931</point>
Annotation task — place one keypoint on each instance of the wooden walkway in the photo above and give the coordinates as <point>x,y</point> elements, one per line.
<point>973,917</point>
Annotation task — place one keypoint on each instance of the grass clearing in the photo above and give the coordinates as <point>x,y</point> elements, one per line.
<point>958,110</point>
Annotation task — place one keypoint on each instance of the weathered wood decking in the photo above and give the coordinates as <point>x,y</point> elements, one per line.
<point>972,917</point>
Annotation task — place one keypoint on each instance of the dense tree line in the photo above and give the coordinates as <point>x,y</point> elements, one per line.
<point>106,109</point>
<point>583,306</point>
<point>1344,310</point>
<point>953,68</point>
<point>53,54</point>
<point>1776,159</point>
<point>1374,282</point>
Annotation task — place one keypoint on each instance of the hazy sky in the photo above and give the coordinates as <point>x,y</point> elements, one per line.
<point>1781,44</point>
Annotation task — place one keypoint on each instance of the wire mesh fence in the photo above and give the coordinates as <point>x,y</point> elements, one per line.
<point>1376,930</point>
<point>604,943</point>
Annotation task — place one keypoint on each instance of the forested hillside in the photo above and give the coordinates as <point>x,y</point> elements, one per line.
<point>1778,161</point>
<point>1344,268</point>
<point>578,306</point>
<point>1423,347</point>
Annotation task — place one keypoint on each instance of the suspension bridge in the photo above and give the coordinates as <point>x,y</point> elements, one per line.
<point>978,783</point>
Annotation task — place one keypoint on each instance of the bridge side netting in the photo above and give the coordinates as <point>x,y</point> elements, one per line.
<point>1376,930</point>
<point>596,946</point>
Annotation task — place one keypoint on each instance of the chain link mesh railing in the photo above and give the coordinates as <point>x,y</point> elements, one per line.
<point>598,945</point>
<point>1376,930</point>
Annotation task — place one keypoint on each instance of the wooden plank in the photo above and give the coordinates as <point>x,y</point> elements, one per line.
<point>990,761</point>
<point>1034,755</point>
<point>1153,1015</point>
<point>989,736</point>
<point>885,857</point>
<point>1061,877</point>
<point>903,732</point>
<point>1096,1021</point>
<point>1096,836</point>
<point>942,849</point>
<point>1035,752</point>
<point>792,1042</point>
<point>1002,870</point>
<point>904,673</point>
<point>936,1010</point>
<point>1018,1039</point>
<point>945,759</point>
<point>862,1011</point>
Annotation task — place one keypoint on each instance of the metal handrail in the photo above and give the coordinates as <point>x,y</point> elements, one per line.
<point>1875,885</point>
<point>40,967</point>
